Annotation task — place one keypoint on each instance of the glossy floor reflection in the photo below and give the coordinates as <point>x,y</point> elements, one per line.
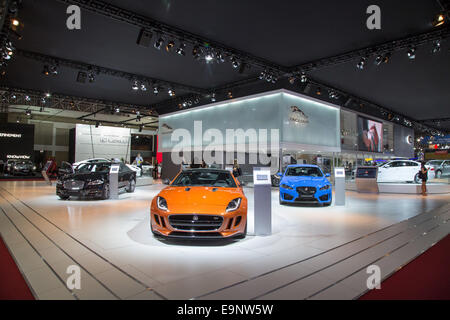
<point>120,258</point>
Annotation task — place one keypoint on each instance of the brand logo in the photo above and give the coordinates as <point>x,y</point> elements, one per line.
<point>195,218</point>
<point>297,116</point>
<point>10,135</point>
<point>409,140</point>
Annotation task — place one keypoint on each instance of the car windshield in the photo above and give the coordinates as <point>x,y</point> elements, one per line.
<point>204,179</point>
<point>304,172</point>
<point>434,163</point>
<point>93,167</point>
<point>24,162</point>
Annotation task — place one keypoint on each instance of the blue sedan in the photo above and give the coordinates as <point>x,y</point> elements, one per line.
<point>305,184</point>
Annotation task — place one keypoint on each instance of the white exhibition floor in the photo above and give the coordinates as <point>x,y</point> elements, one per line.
<point>314,252</point>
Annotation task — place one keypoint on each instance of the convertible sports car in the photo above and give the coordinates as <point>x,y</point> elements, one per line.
<point>305,184</point>
<point>91,180</point>
<point>202,204</point>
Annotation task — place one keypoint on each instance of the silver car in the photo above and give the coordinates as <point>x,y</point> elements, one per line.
<point>441,167</point>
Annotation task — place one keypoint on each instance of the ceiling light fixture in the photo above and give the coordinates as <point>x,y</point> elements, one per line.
<point>158,43</point>
<point>362,63</point>
<point>412,53</point>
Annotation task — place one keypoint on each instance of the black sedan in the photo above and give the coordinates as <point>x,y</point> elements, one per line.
<point>20,167</point>
<point>91,180</point>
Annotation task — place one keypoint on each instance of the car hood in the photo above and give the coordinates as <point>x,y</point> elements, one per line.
<point>85,176</point>
<point>304,181</point>
<point>207,200</point>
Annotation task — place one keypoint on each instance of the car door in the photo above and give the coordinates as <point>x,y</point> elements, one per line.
<point>413,169</point>
<point>446,168</point>
<point>385,173</point>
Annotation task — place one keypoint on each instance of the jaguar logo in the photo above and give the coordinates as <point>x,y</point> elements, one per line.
<point>195,218</point>
<point>166,129</point>
<point>306,189</point>
<point>297,116</point>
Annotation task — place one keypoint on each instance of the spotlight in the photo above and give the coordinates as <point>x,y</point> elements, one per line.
<point>303,78</point>
<point>15,22</point>
<point>91,77</point>
<point>180,51</point>
<point>196,52</point>
<point>262,75</point>
<point>412,53</point>
<point>235,63</point>
<point>46,70</point>
<point>171,92</point>
<point>54,70</point>
<point>440,20</point>
<point>27,98</point>
<point>437,46</point>
<point>291,80</point>
<point>143,87</point>
<point>213,97</point>
<point>387,58</point>
<point>155,90</point>
<point>230,95</point>
<point>48,94</point>
<point>170,46</point>
<point>379,60</point>
<point>28,112</point>
<point>158,43</point>
<point>209,56</point>
<point>135,86</point>
<point>362,63</point>
<point>319,91</point>
<point>220,57</point>
<point>117,110</point>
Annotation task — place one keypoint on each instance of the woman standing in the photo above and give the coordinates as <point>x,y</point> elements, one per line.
<point>424,177</point>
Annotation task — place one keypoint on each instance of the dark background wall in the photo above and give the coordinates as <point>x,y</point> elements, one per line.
<point>401,147</point>
<point>17,146</point>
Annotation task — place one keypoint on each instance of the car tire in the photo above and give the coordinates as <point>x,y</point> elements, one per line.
<point>438,174</point>
<point>106,192</point>
<point>131,186</point>
<point>64,197</point>
<point>417,179</point>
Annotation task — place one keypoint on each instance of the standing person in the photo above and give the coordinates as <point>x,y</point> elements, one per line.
<point>139,160</point>
<point>236,169</point>
<point>204,165</point>
<point>424,176</point>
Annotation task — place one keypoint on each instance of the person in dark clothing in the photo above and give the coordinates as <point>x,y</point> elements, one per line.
<point>236,169</point>
<point>424,177</point>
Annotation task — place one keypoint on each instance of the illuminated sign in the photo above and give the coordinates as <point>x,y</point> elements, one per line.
<point>10,135</point>
<point>297,116</point>
<point>18,157</point>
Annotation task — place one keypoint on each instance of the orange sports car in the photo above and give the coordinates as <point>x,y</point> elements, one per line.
<point>200,203</point>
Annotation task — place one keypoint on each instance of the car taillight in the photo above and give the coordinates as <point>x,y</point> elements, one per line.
<point>432,169</point>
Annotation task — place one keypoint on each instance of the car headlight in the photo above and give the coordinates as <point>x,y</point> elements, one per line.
<point>162,204</point>
<point>327,187</point>
<point>285,186</point>
<point>34,168</point>
<point>96,182</point>
<point>16,167</point>
<point>234,205</point>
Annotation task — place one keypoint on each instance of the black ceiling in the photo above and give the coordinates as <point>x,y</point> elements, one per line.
<point>287,33</point>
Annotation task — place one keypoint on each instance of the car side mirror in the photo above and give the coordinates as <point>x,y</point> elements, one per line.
<point>280,174</point>
<point>328,175</point>
<point>166,182</point>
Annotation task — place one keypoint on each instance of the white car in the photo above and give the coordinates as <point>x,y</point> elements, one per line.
<point>135,169</point>
<point>402,171</point>
<point>76,164</point>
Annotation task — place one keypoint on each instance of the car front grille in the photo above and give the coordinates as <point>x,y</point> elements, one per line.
<point>73,185</point>
<point>191,222</point>
<point>306,191</point>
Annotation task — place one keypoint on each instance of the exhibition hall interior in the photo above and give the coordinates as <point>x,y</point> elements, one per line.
<point>224,150</point>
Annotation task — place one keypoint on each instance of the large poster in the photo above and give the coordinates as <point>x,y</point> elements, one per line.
<point>370,135</point>
<point>16,141</point>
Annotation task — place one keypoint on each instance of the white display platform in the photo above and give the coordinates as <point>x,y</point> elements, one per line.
<point>144,181</point>
<point>405,188</point>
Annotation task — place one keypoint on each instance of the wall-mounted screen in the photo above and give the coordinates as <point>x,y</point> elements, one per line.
<point>370,135</point>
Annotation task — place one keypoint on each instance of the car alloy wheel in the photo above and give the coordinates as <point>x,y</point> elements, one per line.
<point>131,186</point>
<point>106,192</point>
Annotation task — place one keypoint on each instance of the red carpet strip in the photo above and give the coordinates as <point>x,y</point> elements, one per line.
<point>425,278</point>
<point>12,284</point>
